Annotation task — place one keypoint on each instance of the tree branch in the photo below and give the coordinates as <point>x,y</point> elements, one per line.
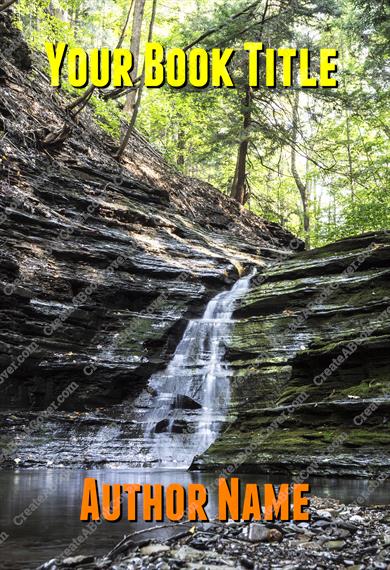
<point>134,116</point>
<point>85,97</point>
<point>6,5</point>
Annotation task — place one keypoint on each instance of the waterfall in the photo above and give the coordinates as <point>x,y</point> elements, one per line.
<point>191,396</point>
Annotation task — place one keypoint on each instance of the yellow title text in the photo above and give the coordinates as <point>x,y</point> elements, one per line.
<point>269,67</point>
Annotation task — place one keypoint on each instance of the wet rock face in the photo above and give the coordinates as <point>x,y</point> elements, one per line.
<point>184,402</point>
<point>101,266</point>
<point>310,351</point>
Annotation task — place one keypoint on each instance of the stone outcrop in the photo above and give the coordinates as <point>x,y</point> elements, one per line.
<point>310,354</point>
<point>102,264</point>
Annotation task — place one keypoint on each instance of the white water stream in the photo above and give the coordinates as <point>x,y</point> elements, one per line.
<point>191,396</point>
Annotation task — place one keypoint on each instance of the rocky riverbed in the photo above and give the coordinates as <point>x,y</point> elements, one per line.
<point>338,536</point>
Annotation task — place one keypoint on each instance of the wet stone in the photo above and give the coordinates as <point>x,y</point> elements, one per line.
<point>342,533</point>
<point>247,562</point>
<point>154,549</point>
<point>334,544</point>
<point>356,519</point>
<point>386,539</point>
<point>326,515</point>
<point>260,533</point>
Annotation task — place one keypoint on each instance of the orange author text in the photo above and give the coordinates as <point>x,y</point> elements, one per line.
<point>176,502</point>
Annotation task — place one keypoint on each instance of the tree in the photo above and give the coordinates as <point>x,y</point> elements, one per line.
<point>301,185</point>
<point>139,8</point>
<point>239,189</point>
<point>6,5</point>
<point>134,116</point>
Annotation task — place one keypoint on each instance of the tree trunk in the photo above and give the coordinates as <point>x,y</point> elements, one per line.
<point>134,116</point>
<point>85,97</point>
<point>239,186</point>
<point>316,199</point>
<point>240,189</point>
<point>6,4</point>
<point>181,145</point>
<point>350,158</point>
<point>302,186</point>
<point>139,8</point>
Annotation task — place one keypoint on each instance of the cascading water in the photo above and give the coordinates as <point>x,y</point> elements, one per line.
<point>191,397</point>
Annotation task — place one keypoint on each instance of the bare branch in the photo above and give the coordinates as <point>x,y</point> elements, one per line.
<point>134,116</point>
<point>7,5</point>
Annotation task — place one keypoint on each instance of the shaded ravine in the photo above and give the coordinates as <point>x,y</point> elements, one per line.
<point>191,397</point>
<point>104,264</point>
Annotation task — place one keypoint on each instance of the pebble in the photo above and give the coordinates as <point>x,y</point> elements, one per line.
<point>260,533</point>
<point>343,533</point>
<point>357,519</point>
<point>247,563</point>
<point>321,524</point>
<point>154,549</point>
<point>200,544</point>
<point>386,539</point>
<point>334,544</point>
<point>347,525</point>
<point>324,515</point>
<point>257,533</point>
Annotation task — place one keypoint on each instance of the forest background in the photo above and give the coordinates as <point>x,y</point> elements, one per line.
<point>313,160</point>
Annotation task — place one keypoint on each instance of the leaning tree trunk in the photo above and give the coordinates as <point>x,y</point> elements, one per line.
<point>350,164</point>
<point>81,101</point>
<point>239,186</point>
<point>302,186</point>
<point>6,5</point>
<point>134,116</point>
<point>138,17</point>
<point>240,189</point>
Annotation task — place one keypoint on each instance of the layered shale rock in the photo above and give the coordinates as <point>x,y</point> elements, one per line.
<point>310,353</point>
<point>102,264</point>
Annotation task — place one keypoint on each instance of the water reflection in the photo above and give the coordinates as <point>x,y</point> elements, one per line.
<point>54,497</point>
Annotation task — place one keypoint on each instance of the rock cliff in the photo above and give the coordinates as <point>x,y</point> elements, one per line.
<point>310,351</point>
<point>102,263</point>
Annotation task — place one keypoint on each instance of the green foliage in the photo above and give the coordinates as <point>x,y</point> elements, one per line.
<point>108,116</point>
<point>342,145</point>
<point>39,24</point>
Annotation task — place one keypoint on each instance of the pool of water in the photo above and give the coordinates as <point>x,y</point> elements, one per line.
<point>56,494</point>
